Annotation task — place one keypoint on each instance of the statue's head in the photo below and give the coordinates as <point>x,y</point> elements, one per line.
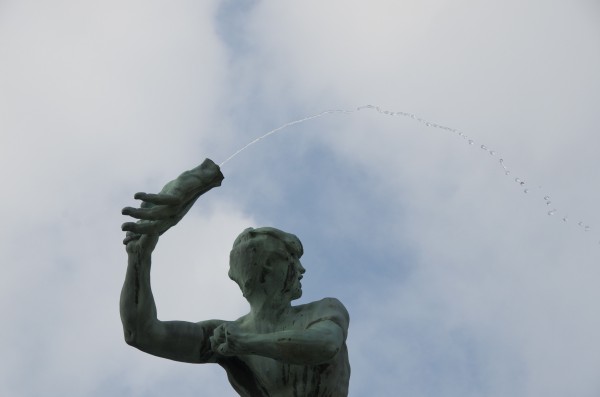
<point>266,261</point>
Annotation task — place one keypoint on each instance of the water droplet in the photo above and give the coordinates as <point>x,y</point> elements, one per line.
<point>552,212</point>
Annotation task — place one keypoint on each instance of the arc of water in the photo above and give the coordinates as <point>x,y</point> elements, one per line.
<point>358,109</point>
<point>286,125</point>
<point>520,182</point>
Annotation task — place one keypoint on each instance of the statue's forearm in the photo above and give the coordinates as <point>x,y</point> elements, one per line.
<point>138,309</point>
<point>311,346</point>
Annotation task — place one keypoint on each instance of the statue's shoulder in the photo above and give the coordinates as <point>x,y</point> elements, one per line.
<point>323,304</point>
<point>330,303</point>
<point>327,309</point>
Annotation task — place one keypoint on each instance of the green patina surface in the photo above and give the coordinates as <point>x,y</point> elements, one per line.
<point>277,349</point>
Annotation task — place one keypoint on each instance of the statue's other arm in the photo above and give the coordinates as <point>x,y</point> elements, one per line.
<point>319,342</point>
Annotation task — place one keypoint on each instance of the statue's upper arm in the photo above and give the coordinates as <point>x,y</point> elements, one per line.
<point>180,340</point>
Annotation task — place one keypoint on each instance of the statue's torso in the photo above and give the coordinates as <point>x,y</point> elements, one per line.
<point>256,376</point>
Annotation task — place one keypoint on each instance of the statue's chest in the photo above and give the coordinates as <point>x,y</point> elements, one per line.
<point>278,378</point>
<point>266,370</point>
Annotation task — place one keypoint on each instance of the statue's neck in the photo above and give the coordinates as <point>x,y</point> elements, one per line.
<point>269,310</point>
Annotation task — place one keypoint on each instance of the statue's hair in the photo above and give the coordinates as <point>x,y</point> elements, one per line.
<point>249,256</point>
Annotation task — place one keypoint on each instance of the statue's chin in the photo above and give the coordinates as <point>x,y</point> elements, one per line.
<point>297,294</point>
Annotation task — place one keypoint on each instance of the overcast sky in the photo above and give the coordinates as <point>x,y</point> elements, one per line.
<point>460,280</point>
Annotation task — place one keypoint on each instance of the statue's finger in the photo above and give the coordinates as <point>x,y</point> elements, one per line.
<point>140,228</point>
<point>129,237</point>
<point>153,213</point>
<point>158,199</point>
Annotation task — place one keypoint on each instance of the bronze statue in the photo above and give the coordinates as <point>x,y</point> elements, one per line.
<point>277,349</point>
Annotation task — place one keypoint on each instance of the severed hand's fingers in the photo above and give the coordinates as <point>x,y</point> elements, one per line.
<point>130,236</point>
<point>158,199</point>
<point>152,213</point>
<point>140,227</point>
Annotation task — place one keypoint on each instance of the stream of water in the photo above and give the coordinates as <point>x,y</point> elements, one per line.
<point>520,181</point>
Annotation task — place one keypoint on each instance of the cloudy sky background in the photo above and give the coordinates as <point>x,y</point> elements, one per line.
<point>457,281</point>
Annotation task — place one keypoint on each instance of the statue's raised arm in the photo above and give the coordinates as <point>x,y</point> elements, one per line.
<point>176,340</point>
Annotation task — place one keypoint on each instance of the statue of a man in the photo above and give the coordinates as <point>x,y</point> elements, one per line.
<point>277,349</point>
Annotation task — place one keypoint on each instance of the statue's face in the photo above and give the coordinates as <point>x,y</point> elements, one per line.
<point>284,272</point>
<point>265,265</point>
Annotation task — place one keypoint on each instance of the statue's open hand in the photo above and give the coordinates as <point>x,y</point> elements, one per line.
<point>227,339</point>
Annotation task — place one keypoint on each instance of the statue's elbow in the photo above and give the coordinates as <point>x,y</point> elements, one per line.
<point>130,337</point>
<point>131,328</point>
<point>330,350</point>
<point>139,337</point>
<point>134,338</point>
